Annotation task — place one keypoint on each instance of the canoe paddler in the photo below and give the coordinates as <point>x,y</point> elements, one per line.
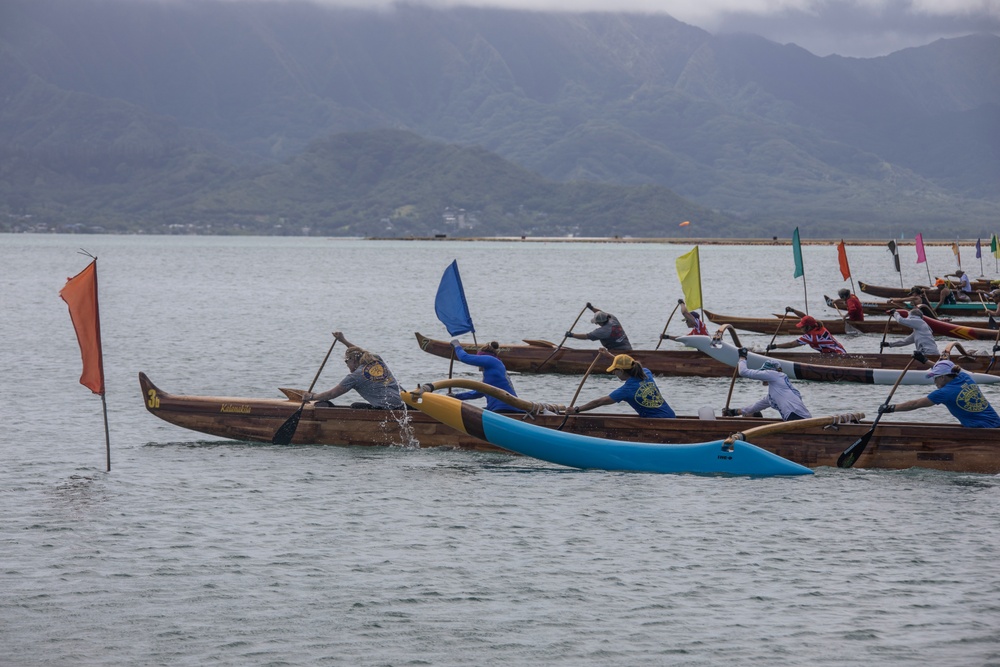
<point>958,392</point>
<point>693,320</point>
<point>855,311</point>
<point>922,338</point>
<point>814,334</point>
<point>369,376</point>
<point>609,331</point>
<point>964,285</point>
<point>781,395</point>
<point>639,391</point>
<point>494,374</point>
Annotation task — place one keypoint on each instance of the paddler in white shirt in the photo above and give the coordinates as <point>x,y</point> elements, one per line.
<point>922,338</point>
<point>781,395</point>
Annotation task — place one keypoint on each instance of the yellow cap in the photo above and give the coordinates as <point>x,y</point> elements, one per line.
<point>622,362</point>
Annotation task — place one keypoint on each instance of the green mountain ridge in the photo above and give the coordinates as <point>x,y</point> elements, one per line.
<point>138,115</point>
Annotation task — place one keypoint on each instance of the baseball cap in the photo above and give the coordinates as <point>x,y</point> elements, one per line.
<point>771,365</point>
<point>622,362</point>
<point>600,317</point>
<point>807,321</point>
<point>943,367</point>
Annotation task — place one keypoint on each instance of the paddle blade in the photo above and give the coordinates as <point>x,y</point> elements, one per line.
<point>854,452</point>
<point>286,431</point>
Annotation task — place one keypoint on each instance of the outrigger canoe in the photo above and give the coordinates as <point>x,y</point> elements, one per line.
<point>932,292</point>
<point>690,362</point>
<point>834,325</point>
<point>948,309</point>
<point>962,330</point>
<point>947,447</point>
<point>728,354</point>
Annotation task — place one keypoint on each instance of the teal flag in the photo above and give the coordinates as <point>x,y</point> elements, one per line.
<point>797,251</point>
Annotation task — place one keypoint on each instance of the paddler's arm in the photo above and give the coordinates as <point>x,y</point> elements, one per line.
<point>340,336</point>
<point>761,404</point>
<point>906,406</point>
<point>596,403</point>
<point>686,314</point>
<point>784,346</point>
<point>327,395</point>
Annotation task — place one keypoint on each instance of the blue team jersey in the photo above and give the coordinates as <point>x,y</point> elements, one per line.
<point>644,396</point>
<point>966,402</point>
<point>494,374</point>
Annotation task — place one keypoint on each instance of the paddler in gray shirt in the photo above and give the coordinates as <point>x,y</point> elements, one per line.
<point>609,331</point>
<point>369,376</point>
<point>922,337</point>
<point>781,395</point>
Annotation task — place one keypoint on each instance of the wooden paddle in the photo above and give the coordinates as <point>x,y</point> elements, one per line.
<point>776,331</point>
<point>852,453</point>
<point>569,407</point>
<point>559,347</point>
<point>286,431</point>
<point>849,328</point>
<point>732,383</point>
<point>881,345</point>
<point>667,325</point>
<point>993,358</point>
<point>451,366</point>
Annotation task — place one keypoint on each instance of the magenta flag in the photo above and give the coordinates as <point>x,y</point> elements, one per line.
<point>921,257</point>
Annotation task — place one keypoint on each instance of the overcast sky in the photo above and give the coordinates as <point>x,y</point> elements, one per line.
<point>860,28</point>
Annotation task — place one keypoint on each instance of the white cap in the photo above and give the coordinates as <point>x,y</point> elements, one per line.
<point>943,367</point>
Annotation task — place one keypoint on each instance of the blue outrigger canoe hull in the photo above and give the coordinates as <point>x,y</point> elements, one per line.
<point>588,452</point>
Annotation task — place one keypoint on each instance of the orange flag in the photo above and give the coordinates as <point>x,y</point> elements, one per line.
<point>845,269</point>
<point>80,294</point>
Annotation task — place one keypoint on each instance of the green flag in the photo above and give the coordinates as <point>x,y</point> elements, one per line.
<point>994,246</point>
<point>797,251</point>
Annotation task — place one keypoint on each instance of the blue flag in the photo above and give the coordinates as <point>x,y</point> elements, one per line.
<point>450,304</point>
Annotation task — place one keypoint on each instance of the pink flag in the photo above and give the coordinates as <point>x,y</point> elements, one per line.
<point>921,257</point>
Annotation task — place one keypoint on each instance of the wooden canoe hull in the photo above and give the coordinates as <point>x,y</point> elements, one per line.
<point>933,293</point>
<point>835,325</point>
<point>826,372</point>
<point>946,310</point>
<point>689,362</point>
<point>947,447</point>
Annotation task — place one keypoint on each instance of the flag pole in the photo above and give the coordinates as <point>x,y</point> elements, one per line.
<point>107,433</point>
<point>100,344</point>
<point>805,292</point>
<point>699,286</point>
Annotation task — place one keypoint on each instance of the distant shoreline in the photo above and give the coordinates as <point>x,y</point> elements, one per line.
<point>669,241</point>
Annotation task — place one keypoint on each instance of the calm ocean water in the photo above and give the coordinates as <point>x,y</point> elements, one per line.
<point>196,551</point>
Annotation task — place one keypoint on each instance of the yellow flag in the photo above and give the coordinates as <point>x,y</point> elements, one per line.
<point>689,271</point>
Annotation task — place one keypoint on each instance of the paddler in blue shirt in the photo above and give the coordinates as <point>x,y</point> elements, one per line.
<point>639,391</point>
<point>494,374</point>
<point>958,392</point>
